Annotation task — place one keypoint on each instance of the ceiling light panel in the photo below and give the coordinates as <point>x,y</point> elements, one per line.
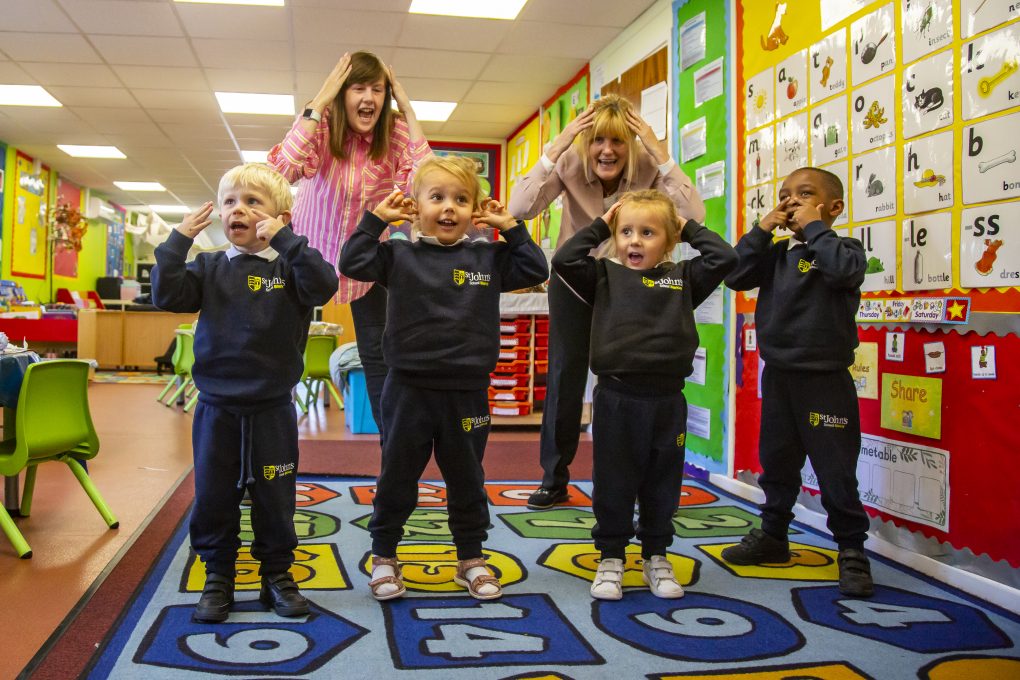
<point>250,102</point>
<point>140,186</point>
<point>479,9</point>
<point>79,151</point>
<point>26,95</point>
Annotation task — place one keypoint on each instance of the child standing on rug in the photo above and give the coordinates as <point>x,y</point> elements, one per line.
<point>256,300</point>
<point>441,342</point>
<point>643,339</point>
<point>809,291</point>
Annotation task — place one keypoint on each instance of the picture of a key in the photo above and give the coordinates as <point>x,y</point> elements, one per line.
<point>1004,158</point>
<point>986,85</point>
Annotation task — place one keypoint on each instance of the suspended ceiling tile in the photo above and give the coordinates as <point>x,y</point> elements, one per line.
<point>339,26</point>
<point>52,47</point>
<point>35,16</point>
<point>556,40</point>
<point>50,73</point>
<point>233,21</point>
<point>507,68</point>
<point>491,113</point>
<point>249,80</point>
<point>124,17</point>
<point>427,63</point>
<point>425,30</point>
<point>92,96</point>
<point>163,77</point>
<point>585,12</point>
<point>175,99</point>
<point>271,55</point>
<point>144,51</point>
<point>434,89</point>
<point>493,92</point>
<point>468,129</point>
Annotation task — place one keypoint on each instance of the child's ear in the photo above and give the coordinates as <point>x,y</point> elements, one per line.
<point>284,217</point>
<point>836,208</point>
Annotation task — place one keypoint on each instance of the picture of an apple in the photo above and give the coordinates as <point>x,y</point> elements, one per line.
<point>791,89</point>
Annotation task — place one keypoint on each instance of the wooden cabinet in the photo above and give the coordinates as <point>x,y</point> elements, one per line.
<point>116,338</point>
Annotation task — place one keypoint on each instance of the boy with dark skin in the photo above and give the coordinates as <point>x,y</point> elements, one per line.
<point>810,288</point>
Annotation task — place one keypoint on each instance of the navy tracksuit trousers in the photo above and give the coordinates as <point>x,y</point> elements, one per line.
<point>260,451</point>
<point>812,414</point>
<point>453,423</point>
<point>638,454</point>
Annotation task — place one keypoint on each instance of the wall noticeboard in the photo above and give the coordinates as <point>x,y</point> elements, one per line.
<point>29,226</point>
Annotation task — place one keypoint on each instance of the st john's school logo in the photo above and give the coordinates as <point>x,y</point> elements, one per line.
<point>468,424</point>
<point>681,439</point>
<point>270,472</point>
<point>255,283</point>
<point>460,277</point>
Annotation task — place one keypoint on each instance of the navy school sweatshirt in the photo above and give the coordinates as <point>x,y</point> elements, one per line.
<point>442,312</point>
<point>808,297</point>
<point>643,331</point>
<point>253,325</point>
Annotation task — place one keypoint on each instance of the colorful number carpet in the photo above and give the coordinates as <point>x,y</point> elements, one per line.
<point>778,621</point>
<point>131,377</point>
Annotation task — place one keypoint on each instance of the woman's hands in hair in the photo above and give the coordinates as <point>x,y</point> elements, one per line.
<point>575,127</point>
<point>399,95</point>
<point>494,214</point>
<point>396,207</point>
<point>334,81</point>
<point>647,136</point>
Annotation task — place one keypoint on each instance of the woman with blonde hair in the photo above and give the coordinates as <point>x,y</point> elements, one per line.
<point>350,148</point>
<point>606,162</point>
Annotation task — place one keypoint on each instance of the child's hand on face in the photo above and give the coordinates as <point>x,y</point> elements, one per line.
<point>267,226</point>
<point>194,223</point>
<point>611,213</point>
<point>396,207</point>
<point>777,218</point>
<point>804,215</point>
<point>494,214</point>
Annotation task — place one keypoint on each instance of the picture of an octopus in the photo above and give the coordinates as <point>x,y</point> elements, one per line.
<point>875,116</point>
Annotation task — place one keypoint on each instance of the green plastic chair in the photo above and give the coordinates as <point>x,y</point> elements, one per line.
<point>52,423</point>
<point>184,359</point>
<point>181,370</point>
<point>316,374</point>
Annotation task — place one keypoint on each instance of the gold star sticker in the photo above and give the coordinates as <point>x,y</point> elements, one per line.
<point>956,310</point>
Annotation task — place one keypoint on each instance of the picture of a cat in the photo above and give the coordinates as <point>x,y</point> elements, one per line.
<point>929,100</point>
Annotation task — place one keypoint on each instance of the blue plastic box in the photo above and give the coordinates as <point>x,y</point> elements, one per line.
<point>357,410</point>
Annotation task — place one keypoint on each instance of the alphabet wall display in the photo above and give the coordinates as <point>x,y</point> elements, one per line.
<point>829,132</point>
<point>990,246</point>
<point>977,16</point>
<point>989,159</point>
<point>873,45</point>
<point>841,169</point>
<point>873,114</point>
<point>827,65</point>
<point>759,152</point>
<point>879,241</point>
<point>791,144</point>
<point>758,202</point>
<point>928,94</point>
<point>990,73</point>
<point>926,26</point>
<point>928,173</point>
<point>759,100</point>
<point>874,185</point>
<point>791,84</point>
<point>927,260</point>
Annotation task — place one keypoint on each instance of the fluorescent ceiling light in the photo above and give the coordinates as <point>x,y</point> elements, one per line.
<point>91,151</point>
<point>170,209</point>
<point>479,9</point>
<point>268,3</point>
<point>255,156</point>
<point>250,102</point>
<point>141,186</point>
<point>26,95</point>
<point>433,111</point>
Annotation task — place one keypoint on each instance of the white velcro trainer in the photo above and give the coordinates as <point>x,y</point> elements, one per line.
<point>608,582</point>
<point>658,574</point>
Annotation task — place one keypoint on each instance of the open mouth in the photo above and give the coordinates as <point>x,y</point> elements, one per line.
<point>607,163</point>
<point>635,258</point>
<point>447,224</point>
<point>365,114</point>
<point>237,225</point>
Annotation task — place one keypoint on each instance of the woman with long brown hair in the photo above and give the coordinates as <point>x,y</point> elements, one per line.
<point>350,148</point>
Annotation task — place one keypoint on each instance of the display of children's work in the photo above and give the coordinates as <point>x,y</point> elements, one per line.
<point>486,158</point>
<point>29,235</point>
<point>915,106</point>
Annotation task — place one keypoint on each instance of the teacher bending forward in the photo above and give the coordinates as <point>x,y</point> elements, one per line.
<point>605,163</point>
<point>350,149</point>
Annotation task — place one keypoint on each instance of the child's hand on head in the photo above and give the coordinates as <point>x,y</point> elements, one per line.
<point>267,226</point>
<point>611,213</point>
<point>194,223</point>
<point>396,207</point>
<point>494,214</point>
<point>779,217</point>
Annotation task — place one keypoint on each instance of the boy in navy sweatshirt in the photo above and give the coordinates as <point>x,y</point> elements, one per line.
<point>440,344</point>
<point>810,287</point>
<point>256,301</point>
<point>643,340</point>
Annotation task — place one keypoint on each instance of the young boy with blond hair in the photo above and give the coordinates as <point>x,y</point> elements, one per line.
<point>256,300</point>
<point>643,340</point>
<point>440,344</point>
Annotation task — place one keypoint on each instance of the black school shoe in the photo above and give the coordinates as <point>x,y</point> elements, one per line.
<point>855,573</point>
<point>546,498</point>
<point>757,547</point>
<point>280,593</point>
<point>217,596</point>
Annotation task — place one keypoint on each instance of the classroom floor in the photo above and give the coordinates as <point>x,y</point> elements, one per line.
<point>145,451</point>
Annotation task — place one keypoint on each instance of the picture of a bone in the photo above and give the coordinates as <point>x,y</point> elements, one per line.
<point>986,85</point>
<point>985,166</point>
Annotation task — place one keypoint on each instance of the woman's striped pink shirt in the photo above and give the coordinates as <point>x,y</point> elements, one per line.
<point>334,193</point>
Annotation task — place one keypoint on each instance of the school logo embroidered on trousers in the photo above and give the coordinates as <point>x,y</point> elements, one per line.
<point>255,283</point>
<point>465,423</point>
<point>269,471</point>
<point>681,439</point>
<point>825,420</point>
<point>468,424</point>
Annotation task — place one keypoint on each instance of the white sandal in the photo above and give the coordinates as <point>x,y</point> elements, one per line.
<point>658,574</point>
<point>608,582</point>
